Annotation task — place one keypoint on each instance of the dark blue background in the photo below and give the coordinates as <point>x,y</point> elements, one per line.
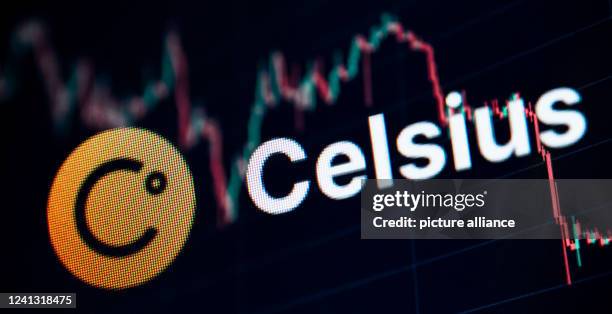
<point>312,260</point>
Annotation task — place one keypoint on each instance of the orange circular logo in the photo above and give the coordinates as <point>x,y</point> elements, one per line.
<point>121,208</point>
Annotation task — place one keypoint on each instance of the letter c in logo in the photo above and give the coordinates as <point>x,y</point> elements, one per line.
<point>121,208</point>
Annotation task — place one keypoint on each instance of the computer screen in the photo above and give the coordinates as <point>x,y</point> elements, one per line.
<point>306,156</point>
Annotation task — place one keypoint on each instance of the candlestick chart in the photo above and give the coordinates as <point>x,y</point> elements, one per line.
<point>322,95</point>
